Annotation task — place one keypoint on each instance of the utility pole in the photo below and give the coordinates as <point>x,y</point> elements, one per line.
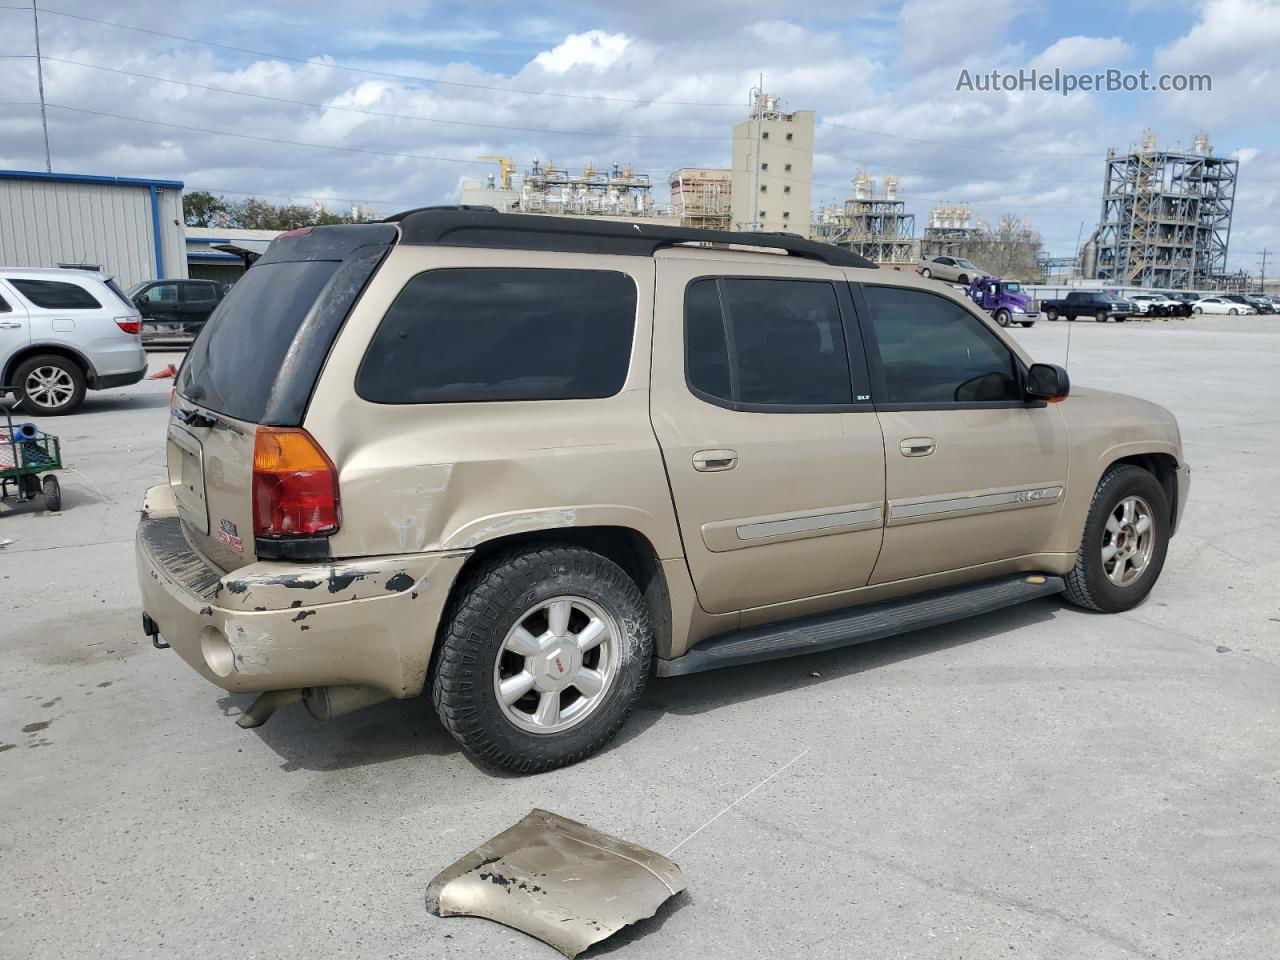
<point>44,117</point>
<point>1262,270</point>
<point>758,92</point>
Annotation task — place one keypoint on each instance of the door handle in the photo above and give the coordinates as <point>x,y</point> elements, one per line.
<point>714,461</point>
<point>917,446</point>
<point>9,325</point>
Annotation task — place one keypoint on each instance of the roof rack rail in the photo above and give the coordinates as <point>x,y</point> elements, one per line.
<point>471,226</point>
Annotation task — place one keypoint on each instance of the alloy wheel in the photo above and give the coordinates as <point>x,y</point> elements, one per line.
<point>1128,541</point>
<point>49,386</point>
<point>556,665</point>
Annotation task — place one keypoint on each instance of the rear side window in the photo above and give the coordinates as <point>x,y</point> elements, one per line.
<point>233,365</point>
<point>766,342</point>
<point>4,307</point>
<point>933,351</point>
<point>484,334</point>
<point>198,293</point>
<point>56,294</point>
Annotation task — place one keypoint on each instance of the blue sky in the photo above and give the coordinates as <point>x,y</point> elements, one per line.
<point>658,84</point>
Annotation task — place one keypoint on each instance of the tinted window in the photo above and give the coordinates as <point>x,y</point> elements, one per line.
<point>934,351</point>
<point>198,293</point>
<point>56,295</point>
<point>166,293</point>
<point>756,341</point>
<point>232,366</point>
<point>483,334</point>
<point>4,307</point>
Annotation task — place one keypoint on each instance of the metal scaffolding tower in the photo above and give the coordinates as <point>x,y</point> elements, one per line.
<point>620,192</point>
<point>1166,217</point>
<point>879,229</point>
<point>948,230</point>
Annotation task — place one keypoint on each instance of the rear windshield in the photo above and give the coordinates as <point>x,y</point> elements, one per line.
<point>233,364</point>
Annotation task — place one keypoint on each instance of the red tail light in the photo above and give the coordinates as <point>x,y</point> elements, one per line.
<point>130,326</point>
<point>295,485</point>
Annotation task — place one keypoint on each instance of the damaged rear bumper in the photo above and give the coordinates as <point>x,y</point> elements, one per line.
<point>279,625</point>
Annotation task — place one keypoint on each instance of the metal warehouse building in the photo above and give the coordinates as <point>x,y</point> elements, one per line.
<point>129,228</point>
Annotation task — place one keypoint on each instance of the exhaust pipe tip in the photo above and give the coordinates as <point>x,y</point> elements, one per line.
<point>260,710</point>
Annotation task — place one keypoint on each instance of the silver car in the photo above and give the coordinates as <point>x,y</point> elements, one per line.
<point>63,332</point>
<point>952,269</point>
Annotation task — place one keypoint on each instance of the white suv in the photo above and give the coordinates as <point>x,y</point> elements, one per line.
<point>63,332</point>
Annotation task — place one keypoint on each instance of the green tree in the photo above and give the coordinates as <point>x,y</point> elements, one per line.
<point>202,209</point>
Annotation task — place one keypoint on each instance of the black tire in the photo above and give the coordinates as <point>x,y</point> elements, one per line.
<point>1002,317</point>
<point>1101,316</point>
<point>1087,584</point>
<point>1051,314</point>
<point>964,278</point>
<point>1028,323</point>
<point>926,273</point>
<point>62,369</point>
<point>1233,312</point>
<point>52,493</point>
<point>479,617</point>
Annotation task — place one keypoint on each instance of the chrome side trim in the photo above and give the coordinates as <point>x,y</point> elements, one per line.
<point>823,521</point>
<point>1002,500</point>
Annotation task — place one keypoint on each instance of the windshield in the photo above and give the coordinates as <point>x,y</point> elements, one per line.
<point>135,290</point>
<point>1013,287</point>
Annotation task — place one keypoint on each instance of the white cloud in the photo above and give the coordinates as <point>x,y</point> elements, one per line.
<point>595,48</point>
<point>1083,53</point>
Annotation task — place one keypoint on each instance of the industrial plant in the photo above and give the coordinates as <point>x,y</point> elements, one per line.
<point>871,223</point>
<point>1166,217</point>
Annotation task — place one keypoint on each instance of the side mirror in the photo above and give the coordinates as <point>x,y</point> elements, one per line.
<point>1048,381</point>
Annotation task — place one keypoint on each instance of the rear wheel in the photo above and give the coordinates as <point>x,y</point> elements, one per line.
<point>926,273</point>
<point>49,385</point>
<point>1101,316</point>
<point>1125,538</point>
<point>542,657</point>
<point>1197,310</point>
<point>52,493</point>
<point>1051,314</point>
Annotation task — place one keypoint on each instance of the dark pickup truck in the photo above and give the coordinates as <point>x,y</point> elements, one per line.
<point>1090,303</point>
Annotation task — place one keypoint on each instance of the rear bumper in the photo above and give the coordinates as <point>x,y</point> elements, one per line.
<point>276,625</point>
<point>107,381</point>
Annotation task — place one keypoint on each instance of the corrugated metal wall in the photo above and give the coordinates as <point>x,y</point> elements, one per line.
<point>44,223</point>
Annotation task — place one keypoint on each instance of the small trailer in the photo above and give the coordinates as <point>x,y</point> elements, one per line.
<point>26,452</point>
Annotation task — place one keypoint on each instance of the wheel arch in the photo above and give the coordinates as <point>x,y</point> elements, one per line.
<point>627,547</point>
<point>54,349</point>
<point>1163,466</point>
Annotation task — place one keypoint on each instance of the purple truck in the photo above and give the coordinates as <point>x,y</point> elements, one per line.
<point>1004,300</point>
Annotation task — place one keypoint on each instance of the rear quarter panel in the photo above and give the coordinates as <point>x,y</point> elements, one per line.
<point>426,477</point>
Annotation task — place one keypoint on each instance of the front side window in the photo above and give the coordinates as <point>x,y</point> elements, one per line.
<point>479,334</point>
<point>163,293</point>
<point>933,351</point>
<point>766,342</point>
<point>56,294</point>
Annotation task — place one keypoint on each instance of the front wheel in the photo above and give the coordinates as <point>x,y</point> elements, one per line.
<point>1125,538</point>
<point>1233,311</point>
<point>1002,317</point>
<point>542,656</point>
<point>963,278</point>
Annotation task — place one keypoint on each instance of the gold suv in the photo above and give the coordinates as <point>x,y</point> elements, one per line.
<point>525,462</point>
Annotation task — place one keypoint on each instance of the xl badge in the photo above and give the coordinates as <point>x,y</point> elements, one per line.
<point>227,534</point>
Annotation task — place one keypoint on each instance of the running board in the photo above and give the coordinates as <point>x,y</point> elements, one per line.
<point>843,628</point>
